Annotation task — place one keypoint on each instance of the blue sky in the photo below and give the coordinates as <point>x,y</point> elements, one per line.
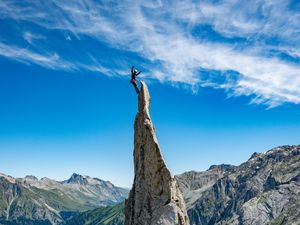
<point>224,78</point>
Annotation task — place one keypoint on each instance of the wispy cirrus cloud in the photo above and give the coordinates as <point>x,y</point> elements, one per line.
<point>223,44</point>
<point>30,37</point>
<point>52,61</point>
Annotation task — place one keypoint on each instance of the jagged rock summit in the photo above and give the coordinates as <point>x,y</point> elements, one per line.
<point>155,198</point>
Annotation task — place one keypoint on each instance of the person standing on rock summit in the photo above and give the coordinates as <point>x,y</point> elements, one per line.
<point>133,80</point>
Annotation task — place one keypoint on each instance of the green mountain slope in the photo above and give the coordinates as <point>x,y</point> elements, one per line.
<point>111,215</point>
<point>32,201</point>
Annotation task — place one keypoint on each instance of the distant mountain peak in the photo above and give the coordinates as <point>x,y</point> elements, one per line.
<point>224,167</point>
<point>78,179</point>
<point>8,178</point>
<point>31,177</point>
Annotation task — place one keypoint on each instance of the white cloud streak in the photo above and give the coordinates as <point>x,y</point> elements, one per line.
<point>162,32</point>
<point>30,37</point>
<point>52,61</point>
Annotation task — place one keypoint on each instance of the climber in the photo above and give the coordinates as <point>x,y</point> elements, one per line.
<point>133,80</point>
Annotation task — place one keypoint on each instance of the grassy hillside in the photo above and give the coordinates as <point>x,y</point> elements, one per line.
<point>111,215</point>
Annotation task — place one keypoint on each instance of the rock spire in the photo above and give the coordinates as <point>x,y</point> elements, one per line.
<point>155,198</point>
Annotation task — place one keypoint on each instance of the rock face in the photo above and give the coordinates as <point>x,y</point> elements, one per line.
<point>192,184</point>
<point>263,190</point>
<point>155,198</point>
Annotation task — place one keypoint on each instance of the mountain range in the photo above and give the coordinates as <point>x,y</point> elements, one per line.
<point>32,201</point>
<point>263,190</point>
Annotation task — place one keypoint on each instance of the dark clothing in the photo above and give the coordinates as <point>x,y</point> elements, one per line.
<point>135,85</point>
<point>133,80</point>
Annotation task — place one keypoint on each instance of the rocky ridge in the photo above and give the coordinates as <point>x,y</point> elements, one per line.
<point>193,184</point>
<point>155,198</point>
<point>263,190</point>
<point>47,201</point>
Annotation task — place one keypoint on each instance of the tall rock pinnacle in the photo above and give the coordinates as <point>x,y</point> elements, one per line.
<point>155,198</point>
